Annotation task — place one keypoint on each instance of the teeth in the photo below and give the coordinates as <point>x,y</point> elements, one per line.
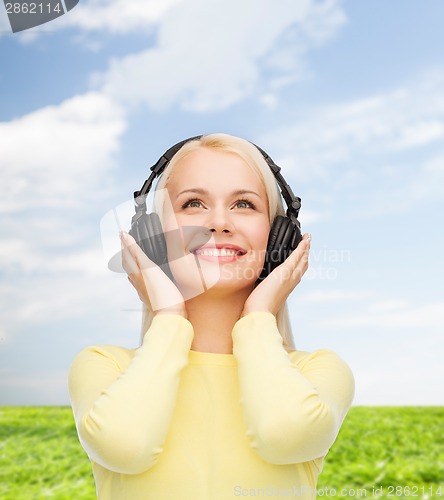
<point>216,252</point>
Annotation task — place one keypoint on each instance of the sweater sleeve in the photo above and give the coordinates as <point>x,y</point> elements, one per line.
<point>293,411</point>
<point>123,415</point>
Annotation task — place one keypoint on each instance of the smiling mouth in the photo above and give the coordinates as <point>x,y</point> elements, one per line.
<point>218,252</point>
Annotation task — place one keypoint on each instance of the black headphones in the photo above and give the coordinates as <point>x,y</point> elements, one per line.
<point>146,229</point>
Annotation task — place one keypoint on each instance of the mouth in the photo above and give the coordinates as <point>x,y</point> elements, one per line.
<point>219,253</point>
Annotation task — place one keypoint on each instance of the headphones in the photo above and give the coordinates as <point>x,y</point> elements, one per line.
<point>146,229</point>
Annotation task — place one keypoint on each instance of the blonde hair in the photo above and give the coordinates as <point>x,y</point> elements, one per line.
<point>252,157</point>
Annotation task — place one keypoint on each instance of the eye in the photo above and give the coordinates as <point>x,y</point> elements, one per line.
<point>193,203</point>
<point>245,204</point>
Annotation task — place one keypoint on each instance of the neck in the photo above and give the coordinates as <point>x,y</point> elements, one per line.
<point>213,317</point>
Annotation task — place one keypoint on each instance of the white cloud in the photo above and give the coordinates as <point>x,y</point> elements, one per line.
<point>345,148</point>
<point>394,348</point>
<point>50,157</point>
<point>32,389</point>
<point>269,100</point>
<point>420,134</point>
<point>117,16</point>
<point>210,55</point>
<point>396,383</point>
<point>28,252</point>
<point>388,305</point>
<point>324,19</point>
<point>55,164</point>
<point>41,286</point>
<point>336,296</point>
<point>398,367</point>
<point>429,184</point>
<point>399,120</point>
<point>32,300</point>
<point>5,27</point>
<point>308,217</point>
<point>3,335</point>
<point>391,314</point>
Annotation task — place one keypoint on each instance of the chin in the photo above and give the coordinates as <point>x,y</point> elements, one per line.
<point>206,277</point>
<point>239,277</point>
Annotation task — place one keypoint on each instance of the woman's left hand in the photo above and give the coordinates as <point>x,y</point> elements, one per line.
<point>271,294</point>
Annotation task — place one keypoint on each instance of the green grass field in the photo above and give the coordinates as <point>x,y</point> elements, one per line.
<point>381,452</point>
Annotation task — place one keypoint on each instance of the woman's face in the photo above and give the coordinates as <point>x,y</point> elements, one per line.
<point>220,205</point>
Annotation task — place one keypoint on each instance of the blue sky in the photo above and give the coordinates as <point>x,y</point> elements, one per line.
<point>347,96</point>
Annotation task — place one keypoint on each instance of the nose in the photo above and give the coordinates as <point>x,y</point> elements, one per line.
<point>219,221</point>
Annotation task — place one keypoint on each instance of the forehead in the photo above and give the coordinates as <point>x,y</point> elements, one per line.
<point>215,171</point>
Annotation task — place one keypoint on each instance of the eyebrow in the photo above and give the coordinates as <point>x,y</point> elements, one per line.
<point>238,192</point>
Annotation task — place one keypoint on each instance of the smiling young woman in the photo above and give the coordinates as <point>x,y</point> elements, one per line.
<point>216,402</point>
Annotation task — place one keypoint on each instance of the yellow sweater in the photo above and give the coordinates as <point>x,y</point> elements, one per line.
<point>162,422</point>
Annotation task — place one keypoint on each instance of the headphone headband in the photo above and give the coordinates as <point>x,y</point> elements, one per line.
<point>293,202</point>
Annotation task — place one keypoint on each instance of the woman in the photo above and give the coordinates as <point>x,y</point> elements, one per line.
<point>216,403</point>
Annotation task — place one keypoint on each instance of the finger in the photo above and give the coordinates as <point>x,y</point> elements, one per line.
<point>129,264</point>
<point>165,294</point>
<point>302,264</point>
<point>296,264</point>
<point>138,255</point>
<point>302,249</point>
<point>306,250</point>
<point>304,243</point>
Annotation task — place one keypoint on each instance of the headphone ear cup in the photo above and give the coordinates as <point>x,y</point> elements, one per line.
<point>148,233</point>
<point>290,239</point>
<point>276,250</point>
<point>275,232</point>
<point>284,237</point>
<point>296,237</point>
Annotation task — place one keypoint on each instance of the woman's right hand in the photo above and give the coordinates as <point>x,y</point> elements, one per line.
<point>152,285</point>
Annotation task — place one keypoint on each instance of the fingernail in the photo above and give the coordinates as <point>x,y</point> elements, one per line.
<point>123,235</point>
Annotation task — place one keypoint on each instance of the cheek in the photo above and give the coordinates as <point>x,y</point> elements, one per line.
<point>182,234</point>
<point>178,220</point>
<point>258,236</point>
<point>169,222</point>
<point>260,232</point>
